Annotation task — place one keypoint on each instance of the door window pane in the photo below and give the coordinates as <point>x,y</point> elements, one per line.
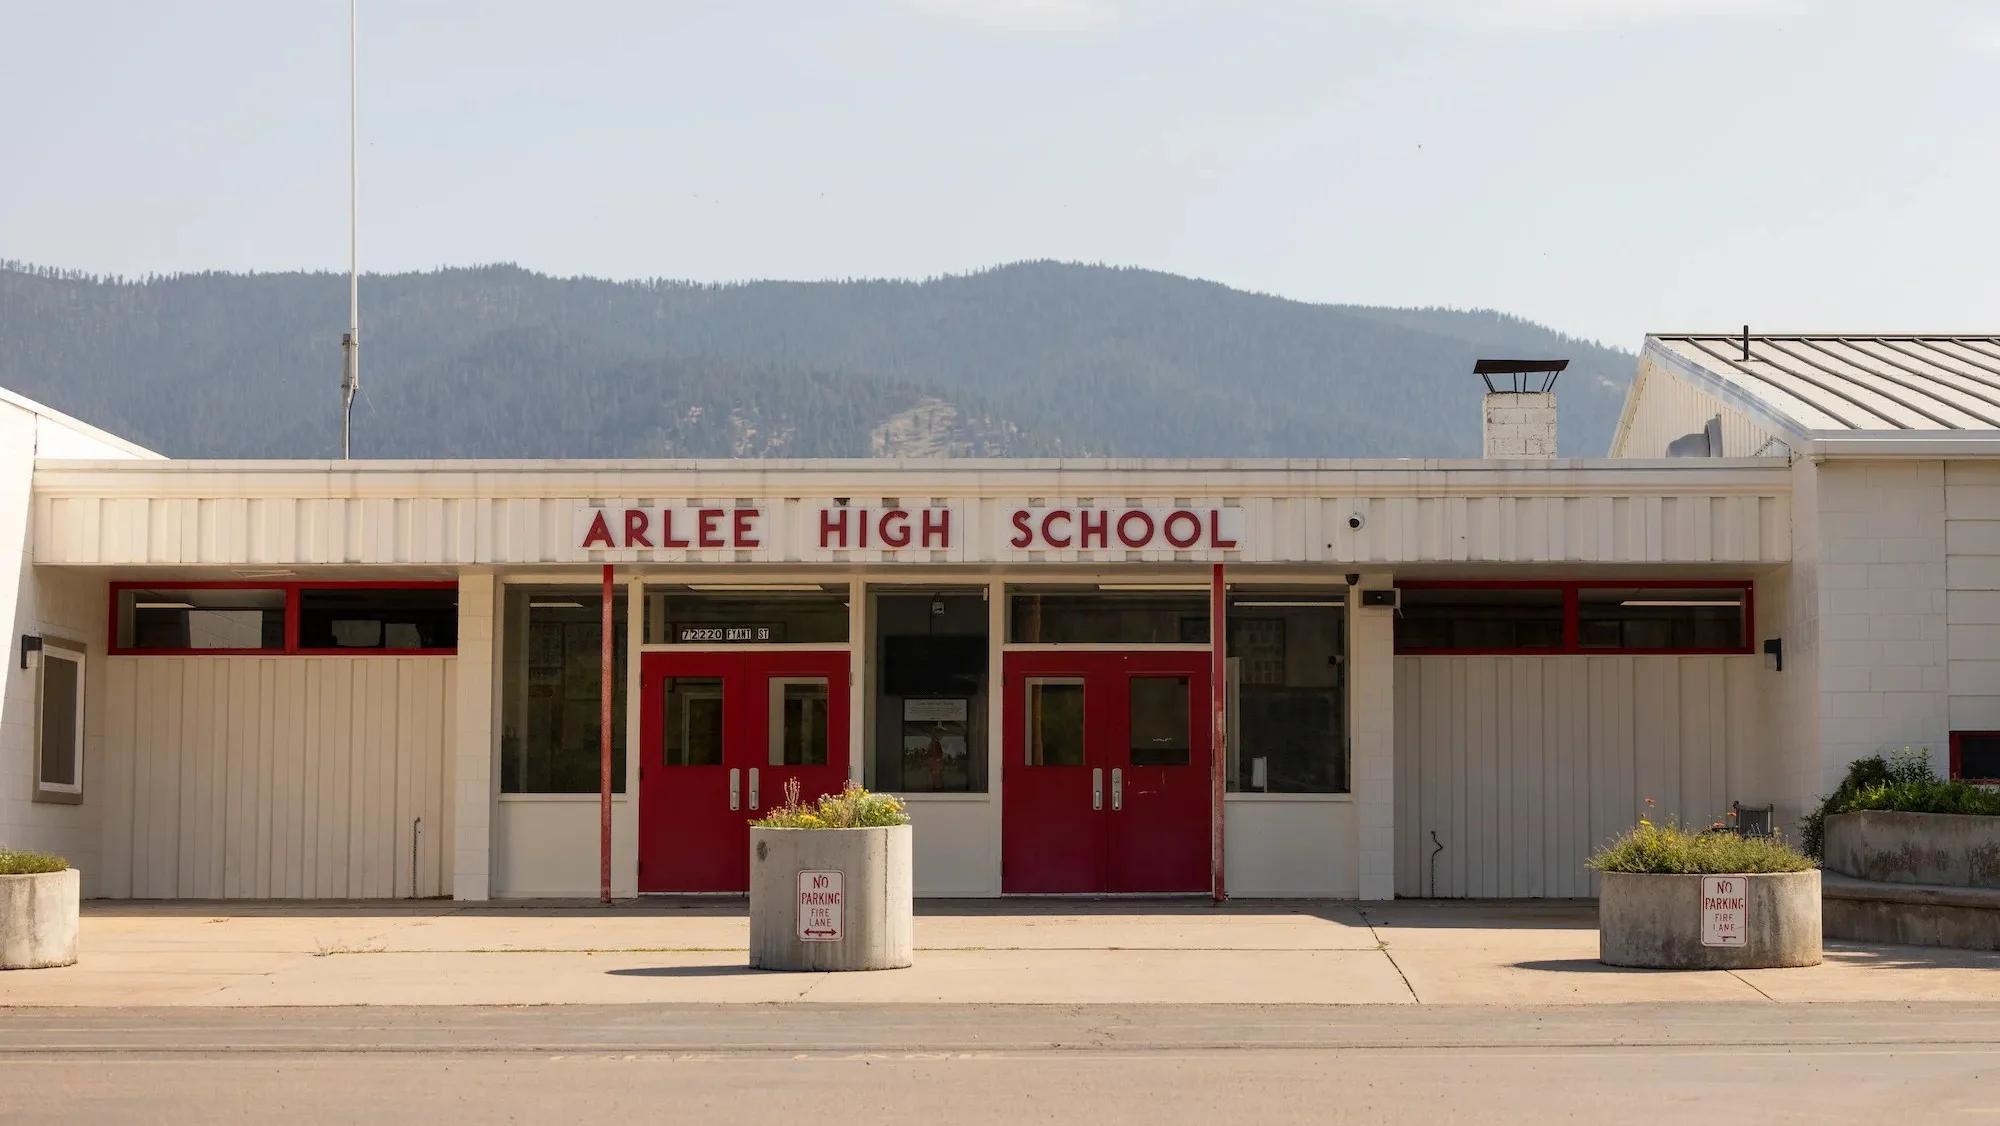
<point>1159,715</point>
<point>1287,692</point>
<point>694,720</point>
<point>1055,722</point>
<point>550,695</point>
<point>799,722</point>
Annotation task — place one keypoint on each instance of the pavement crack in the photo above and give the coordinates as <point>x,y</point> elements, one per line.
<point>1383,945</point>
<point>1751,984</point>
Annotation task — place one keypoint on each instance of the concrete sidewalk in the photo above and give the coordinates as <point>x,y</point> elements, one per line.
<point>969,952</point>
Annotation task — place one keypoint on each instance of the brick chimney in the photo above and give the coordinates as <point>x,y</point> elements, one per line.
<point>1520,410</point>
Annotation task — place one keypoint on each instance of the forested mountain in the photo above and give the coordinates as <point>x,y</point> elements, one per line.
<point>1036,358</point>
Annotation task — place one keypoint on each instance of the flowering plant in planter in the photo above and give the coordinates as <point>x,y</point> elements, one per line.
<point>14,862</point>
<point>838,900</point>
<point>1671,849</point>
<point>1675,898</point>
<point>852,808</point>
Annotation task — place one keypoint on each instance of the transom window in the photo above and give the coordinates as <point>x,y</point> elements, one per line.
<point>1591,616</point>
<point>311,618</point>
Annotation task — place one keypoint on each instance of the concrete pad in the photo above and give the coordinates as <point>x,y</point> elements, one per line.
<point>1310,977</point>
<point>1036,951</point>
<point>1480,977</point>
<point>1857,972</point>
<point>518,979</point>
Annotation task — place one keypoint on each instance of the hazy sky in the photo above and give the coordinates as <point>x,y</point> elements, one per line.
<point>1606,166</point>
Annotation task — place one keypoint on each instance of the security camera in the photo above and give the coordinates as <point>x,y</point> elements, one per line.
<point>1353,578</point>
<point>1356,520</point>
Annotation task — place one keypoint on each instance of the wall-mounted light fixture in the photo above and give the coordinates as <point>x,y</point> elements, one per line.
<point>31,650</point>
<point>1774,654</point>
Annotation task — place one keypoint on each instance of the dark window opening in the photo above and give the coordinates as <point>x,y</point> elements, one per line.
<point>378,618</point>
<point>1975,756</point>
<point>170,618</point>
<point>1480,618</point>
<point>1574,617</point>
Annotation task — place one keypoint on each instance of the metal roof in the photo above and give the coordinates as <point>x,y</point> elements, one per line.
<point>1828,385</point>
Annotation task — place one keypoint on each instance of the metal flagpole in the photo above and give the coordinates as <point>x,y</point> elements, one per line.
<point>350,343</point>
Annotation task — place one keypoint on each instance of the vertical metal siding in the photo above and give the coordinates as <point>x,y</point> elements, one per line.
<point>276,777</point>
<point>1523,765</point>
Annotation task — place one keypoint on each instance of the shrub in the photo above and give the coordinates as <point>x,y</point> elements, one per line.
<point>14,863</point>
<point>852,808</point>
<point>1904,783</point>
<point>1671,849</point>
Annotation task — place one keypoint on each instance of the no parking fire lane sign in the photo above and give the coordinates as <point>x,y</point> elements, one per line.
<point>822,906</point>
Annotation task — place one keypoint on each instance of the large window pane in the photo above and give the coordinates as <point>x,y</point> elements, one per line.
<point>1480,618</point>
<point>177,618</point>
<point>764,616</point>
<point>1158,720</point>
<point>550,694</point>
<point>930,692</point>
<point>1049,617</point>
<point>378,618</point>
<point>1661,618</point>
<point>1288,692</point>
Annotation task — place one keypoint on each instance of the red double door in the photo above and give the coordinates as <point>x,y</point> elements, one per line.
<point>721,733</point>
<point>1106,778</point>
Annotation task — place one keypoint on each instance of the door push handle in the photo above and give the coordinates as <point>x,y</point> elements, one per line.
<point>1097,787</point>
<point>753,787</point>
<point>1117,788</point>
<point>735,777</point>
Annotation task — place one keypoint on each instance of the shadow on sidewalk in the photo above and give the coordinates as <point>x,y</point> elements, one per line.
<point>691,971</point>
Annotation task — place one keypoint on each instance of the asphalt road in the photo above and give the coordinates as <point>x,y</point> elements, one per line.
<point>1003,1064</point>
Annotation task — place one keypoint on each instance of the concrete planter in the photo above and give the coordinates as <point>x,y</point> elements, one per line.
<point>871,927</point>
<point>1654,921</point>
<point>38,920</point>
<point>1953,849</point>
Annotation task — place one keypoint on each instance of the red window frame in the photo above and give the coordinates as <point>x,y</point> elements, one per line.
<point>1572,630</point>
<point>1957,768</point>
<point>291,592</point>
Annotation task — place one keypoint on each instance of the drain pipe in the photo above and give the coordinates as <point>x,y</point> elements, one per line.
<point>416,835</point>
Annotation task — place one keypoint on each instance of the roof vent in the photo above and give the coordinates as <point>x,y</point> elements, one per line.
<point>1520,409</point>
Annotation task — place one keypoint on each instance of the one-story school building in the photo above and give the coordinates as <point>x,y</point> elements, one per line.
<point>1360,679</point>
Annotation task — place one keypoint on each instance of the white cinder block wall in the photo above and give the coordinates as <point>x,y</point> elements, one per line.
<point>1520,424</point>
<point>1972,597</point>
<point>1883,611</point>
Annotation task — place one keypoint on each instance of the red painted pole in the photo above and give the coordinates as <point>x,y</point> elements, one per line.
<point>604,751</point>
<point>1218,685</point>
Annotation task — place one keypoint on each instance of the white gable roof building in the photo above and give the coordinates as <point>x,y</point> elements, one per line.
<point>312,678</point>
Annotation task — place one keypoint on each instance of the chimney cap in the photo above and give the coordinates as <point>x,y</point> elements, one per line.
<point>1520,370</point>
